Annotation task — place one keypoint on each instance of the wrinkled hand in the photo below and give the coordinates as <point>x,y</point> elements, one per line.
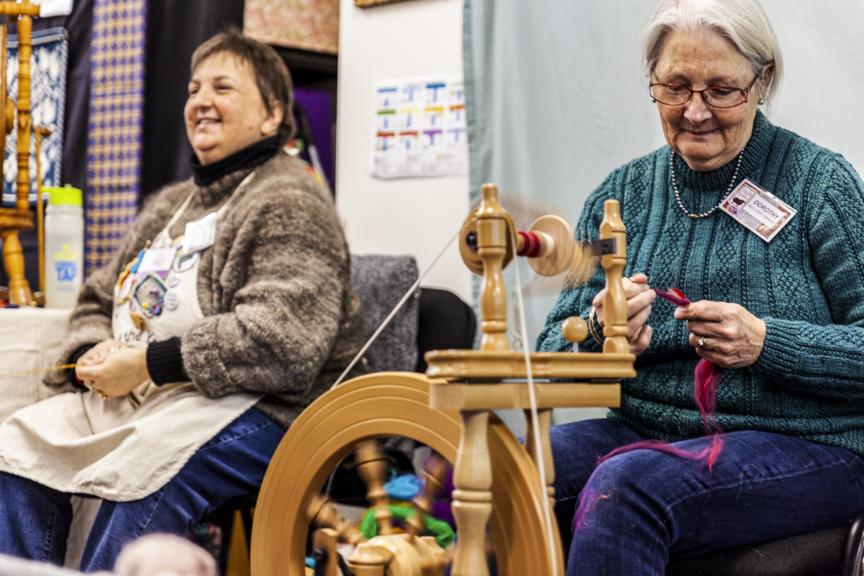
<point>639,298</point>
<point>117,372</point>
<point>731,337</point>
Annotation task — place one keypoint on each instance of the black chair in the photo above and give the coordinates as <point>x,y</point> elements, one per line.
<point>834,552</point>
<point>445,321</point>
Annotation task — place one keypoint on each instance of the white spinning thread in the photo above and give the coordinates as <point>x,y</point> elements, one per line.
<point>389,318</point>
<point>535,420</point>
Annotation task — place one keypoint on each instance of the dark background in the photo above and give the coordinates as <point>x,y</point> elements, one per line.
<point>174,29</point>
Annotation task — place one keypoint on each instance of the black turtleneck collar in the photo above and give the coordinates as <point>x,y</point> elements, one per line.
<point>253,155</point>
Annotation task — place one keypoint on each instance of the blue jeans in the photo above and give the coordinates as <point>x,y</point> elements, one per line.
<point>645,505</point>
<point>34,520</point>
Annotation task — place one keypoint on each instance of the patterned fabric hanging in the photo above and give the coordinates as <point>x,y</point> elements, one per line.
<point>114,140</point>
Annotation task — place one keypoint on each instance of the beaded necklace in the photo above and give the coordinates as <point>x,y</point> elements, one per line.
<point>678,193</point>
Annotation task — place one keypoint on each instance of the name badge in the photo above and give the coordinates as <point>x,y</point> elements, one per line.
<point>200,234</point>
<point>156,260</point>
<point>757,210</point>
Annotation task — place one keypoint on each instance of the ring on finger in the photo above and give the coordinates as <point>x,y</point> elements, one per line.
<point>700,341</point>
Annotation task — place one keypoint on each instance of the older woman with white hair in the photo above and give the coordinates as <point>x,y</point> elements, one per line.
<point>761,229</point>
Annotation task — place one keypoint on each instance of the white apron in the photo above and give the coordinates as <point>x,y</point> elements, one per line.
<point>126,448</point>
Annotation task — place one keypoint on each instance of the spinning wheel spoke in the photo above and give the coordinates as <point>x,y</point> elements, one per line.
<point>434,473</point>
<point>322,513</point>
<point>374,557</point>
<point>373,468</point>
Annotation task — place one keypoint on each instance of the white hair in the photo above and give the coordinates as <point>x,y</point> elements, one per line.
<point>743,22</point>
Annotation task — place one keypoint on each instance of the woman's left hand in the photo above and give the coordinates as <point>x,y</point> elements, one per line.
<point>726,334</point>
<point>119,373</point>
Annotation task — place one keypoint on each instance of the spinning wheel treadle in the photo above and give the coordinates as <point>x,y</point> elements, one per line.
<point>388,404</point>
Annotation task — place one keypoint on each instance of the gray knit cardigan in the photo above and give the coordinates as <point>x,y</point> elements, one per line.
<point>280,316</point>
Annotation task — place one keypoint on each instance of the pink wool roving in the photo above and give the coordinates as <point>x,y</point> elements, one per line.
<point>706,377</point>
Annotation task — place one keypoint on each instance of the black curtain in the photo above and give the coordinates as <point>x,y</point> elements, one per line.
<point>174,29</point>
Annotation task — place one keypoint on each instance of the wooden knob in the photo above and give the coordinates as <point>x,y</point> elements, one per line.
<point>574,329</point>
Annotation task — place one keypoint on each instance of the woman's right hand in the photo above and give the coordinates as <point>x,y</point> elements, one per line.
<point>639,298</point>
<point>98,353</point>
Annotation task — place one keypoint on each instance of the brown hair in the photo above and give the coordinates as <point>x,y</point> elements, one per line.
<point>271,74</point>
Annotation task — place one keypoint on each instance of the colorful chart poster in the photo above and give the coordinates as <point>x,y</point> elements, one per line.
<point>419,128</point>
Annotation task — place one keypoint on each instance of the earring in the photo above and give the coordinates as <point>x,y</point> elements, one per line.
<point>761,101</point>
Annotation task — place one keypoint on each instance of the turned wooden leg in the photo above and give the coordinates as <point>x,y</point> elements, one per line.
<point>13,259</point>
<point>472,496</point>
<point>544,418</point>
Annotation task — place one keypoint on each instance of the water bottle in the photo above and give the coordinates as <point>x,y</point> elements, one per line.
<point>64,246</point>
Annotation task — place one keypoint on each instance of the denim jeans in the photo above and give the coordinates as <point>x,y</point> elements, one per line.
<point>644,505</point>
<point>34,520</point>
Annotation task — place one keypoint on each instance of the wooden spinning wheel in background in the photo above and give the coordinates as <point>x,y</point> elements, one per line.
<point>13,220</point>
<point>497,481</point>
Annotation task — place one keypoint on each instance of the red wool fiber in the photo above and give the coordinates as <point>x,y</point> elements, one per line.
<point>706,377</point>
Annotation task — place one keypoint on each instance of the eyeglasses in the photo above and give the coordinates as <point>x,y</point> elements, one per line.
<point>713,96</point>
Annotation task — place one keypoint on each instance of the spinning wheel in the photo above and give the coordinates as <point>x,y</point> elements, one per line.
<point>389,404</point>
<point>450,411</point>
<point>12,220</point>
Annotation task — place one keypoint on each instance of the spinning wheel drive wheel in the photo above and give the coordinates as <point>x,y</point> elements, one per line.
<point>390,404</point>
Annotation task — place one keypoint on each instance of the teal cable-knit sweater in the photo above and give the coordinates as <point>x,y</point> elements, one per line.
<point>807,284</point>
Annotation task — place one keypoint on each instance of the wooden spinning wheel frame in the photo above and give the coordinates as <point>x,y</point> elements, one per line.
<point>449,410</point>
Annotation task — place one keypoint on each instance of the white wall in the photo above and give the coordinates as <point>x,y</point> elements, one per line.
<point>405,216</point>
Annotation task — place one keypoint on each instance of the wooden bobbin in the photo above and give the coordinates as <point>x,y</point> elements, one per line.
<point>557,245</point>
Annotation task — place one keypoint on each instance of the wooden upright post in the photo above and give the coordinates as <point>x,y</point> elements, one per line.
<point>615,302</point>
<point>544,418</point>
<point>472,471</point>
<point>492,235</point>
<point>19,218</point>
<point>472,496</point>
<point>25,49</point>
<point>13,260</point>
